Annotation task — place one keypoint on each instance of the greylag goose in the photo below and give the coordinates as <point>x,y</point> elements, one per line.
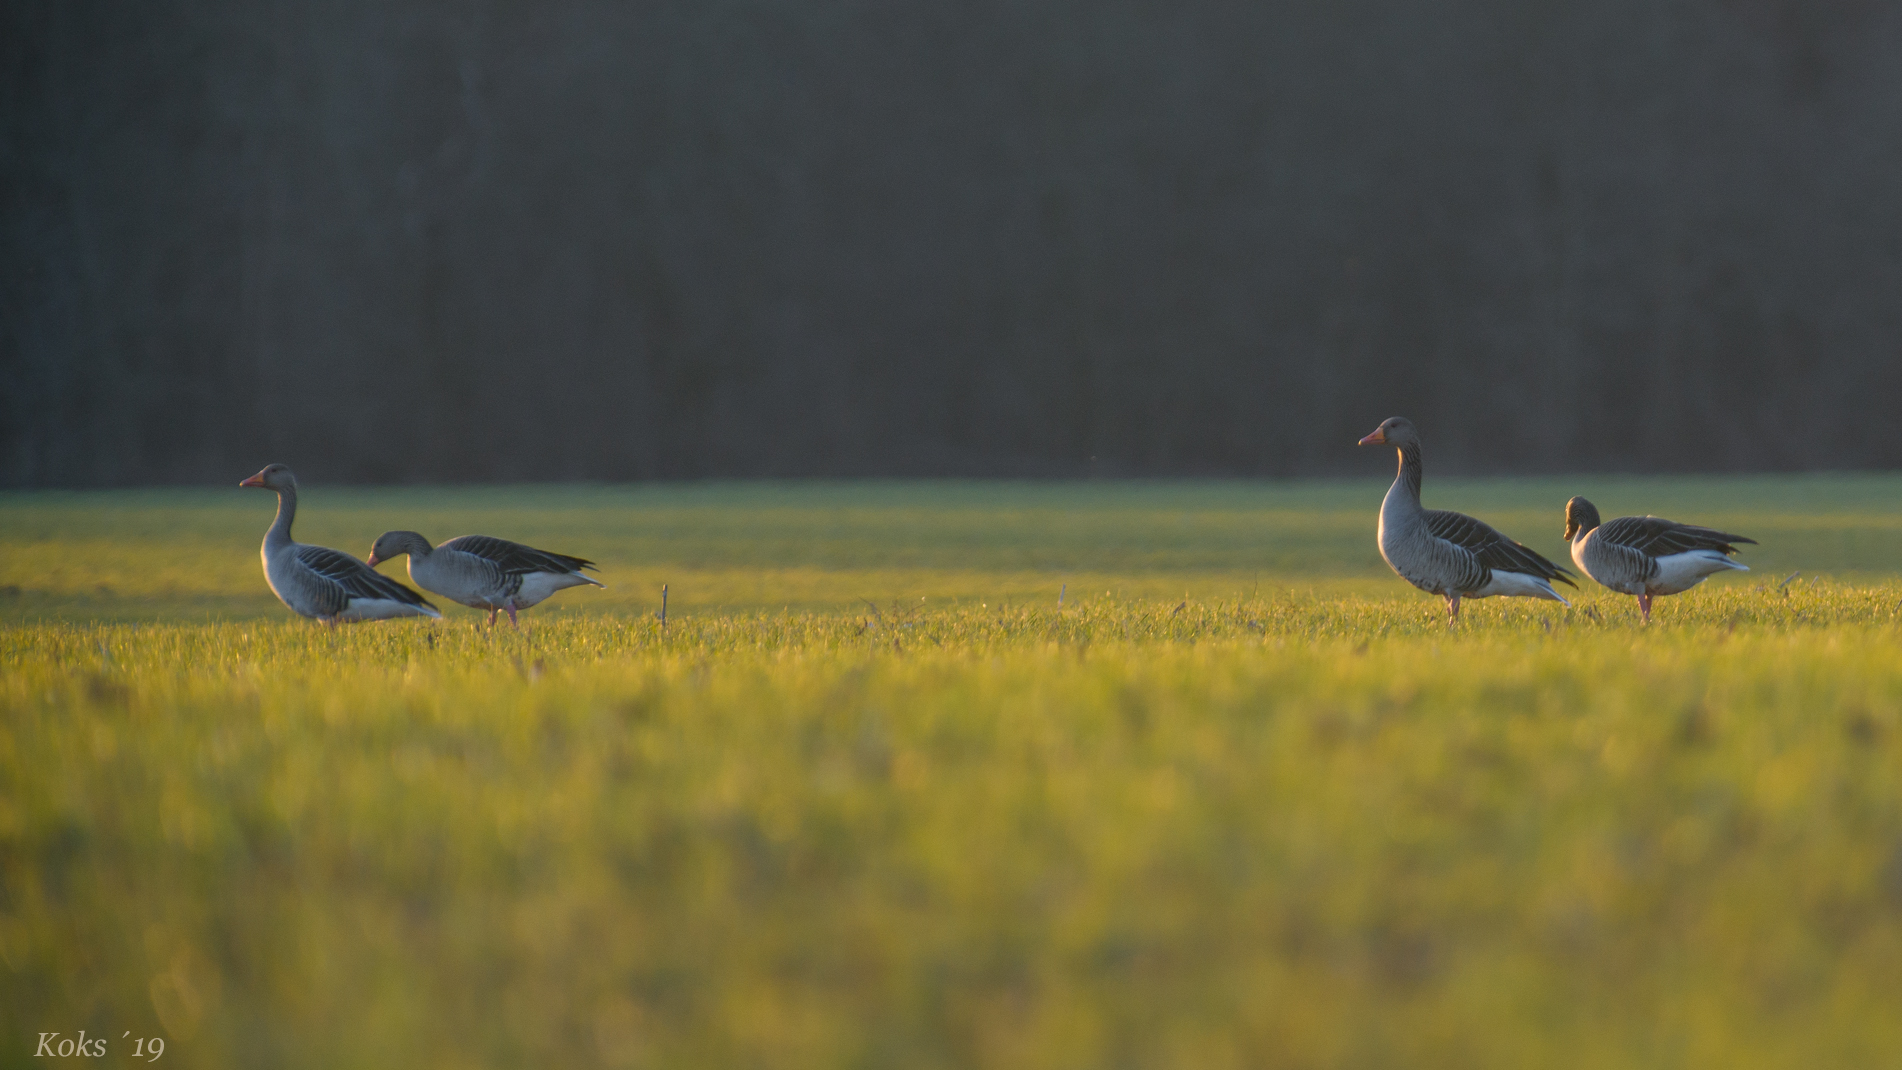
<point>483,572</point>
<point>1451,554</point>
<point>321,583</point>
<point>1646,555</point>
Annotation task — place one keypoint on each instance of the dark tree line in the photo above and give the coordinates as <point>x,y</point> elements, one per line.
<point>388,240</point>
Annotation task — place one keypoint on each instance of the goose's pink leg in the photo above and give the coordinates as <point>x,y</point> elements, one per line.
<point>1644,606</point>
<point>491,616</point>
<point>1452,607</point>
<point>510,606</point>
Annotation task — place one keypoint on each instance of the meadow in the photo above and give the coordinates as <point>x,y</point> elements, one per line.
<point>873,795</point>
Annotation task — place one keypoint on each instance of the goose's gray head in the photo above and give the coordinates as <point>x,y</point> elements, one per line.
<point>1396,431</point>
<point>1581,516</point>
<point>276,477</point>
<point>395,544</point>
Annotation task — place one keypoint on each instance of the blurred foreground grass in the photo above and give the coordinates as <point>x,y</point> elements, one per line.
<point>1300,825</point>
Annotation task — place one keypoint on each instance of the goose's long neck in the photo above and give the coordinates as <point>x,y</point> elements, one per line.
<point>280,533</point>
<point>1404,496</point>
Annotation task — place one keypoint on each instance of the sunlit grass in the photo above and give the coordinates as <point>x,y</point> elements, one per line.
<point>170,555</point>
<point>1195,817</point>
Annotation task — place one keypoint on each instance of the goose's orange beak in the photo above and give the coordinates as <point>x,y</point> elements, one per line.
<point>1375,439</point>
<point>254,481</point>
<point>373,560</point>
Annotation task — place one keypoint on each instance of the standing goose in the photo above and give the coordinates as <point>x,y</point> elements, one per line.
<point>321,583</point>
<point>1646,555</point>
<point>1446,553</point>
<point>483,572</point>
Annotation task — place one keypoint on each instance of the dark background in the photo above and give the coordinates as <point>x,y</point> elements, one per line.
<point>568,239</point>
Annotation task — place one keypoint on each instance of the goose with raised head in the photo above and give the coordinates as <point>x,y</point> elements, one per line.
<point>1647,556</point>
<point>483,572</point>
<point>321,583</point>
<point>1451,554</point>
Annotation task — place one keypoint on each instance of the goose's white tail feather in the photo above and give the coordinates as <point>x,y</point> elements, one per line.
<point>537,586</point>
<point>1681,572</point>
<point>1520,584</point>
<point>384,609</point>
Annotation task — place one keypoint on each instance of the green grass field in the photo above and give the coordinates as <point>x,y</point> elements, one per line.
<point>872,798</point>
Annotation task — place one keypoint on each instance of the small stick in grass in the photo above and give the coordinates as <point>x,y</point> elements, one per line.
<point>663,605</point>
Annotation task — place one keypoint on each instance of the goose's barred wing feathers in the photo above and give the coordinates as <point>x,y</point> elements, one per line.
<point>1655,536</point>
<point>515,559</point>
<point>354,578</point>
<point>1493,550</point>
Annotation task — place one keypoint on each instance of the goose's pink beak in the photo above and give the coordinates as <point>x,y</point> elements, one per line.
<point>1375,439</point>
<point>373,560</point>
<point>254,481</point>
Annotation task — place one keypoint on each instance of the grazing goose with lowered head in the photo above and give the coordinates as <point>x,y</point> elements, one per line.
<point>1451,554</point>
<point>318,582</point>
<point>1646,555</point>
<point>483,572</point>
